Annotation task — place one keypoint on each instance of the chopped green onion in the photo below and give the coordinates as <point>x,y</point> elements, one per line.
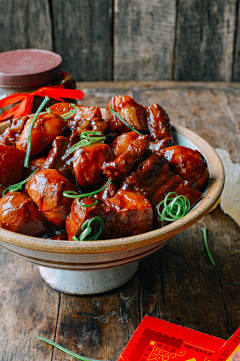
<point>72,194</point>
<point>29,145</point>
<point>70,113</point>
<point>61,348</point>
<point>123,121</point>
<point>48,110</point>
<point>87,230</point>
<point>174,208</point>
<point>86,140</point>
<point>16,187</point>
<point>204,231</point>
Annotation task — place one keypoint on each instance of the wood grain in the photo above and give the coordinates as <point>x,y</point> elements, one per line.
<point>205,40</point>
<point>25,24</point>
<point>83,37</point>
<point>98,327</point>
<point>130,40</point>
<point>143,39</point>
<point>28,308</point>
<point>236,59</point>
<point>177,283</point>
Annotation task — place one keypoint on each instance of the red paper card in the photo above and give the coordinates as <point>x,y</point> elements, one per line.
<point>159,340</point>
<point>230,351</point>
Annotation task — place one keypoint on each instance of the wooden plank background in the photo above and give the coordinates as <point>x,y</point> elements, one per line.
<point>122,40</point>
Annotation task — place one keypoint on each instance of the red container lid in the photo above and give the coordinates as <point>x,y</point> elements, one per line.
<point>29,68</point>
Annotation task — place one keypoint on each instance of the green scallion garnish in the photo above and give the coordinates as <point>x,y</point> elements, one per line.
<point>86,140</point>
<point>63,349</point>
<point>204,231</point>
<point>16,187</point>
<point>48,110</point>
<point>123,121</point>
<point>87,229</point>
<point>72,194</point>
<point>70,113</point>
<point>29,145</point>
<point>174,208</point>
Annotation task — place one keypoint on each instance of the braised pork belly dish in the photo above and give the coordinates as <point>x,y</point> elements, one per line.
<point>69,174</point>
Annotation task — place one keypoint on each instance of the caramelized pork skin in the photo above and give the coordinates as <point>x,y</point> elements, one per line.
<point>127,213</point>
<point>99,126</point>
<point>87,113</point>
<point>11,134</point>
<point>45,129</point>
<point>133,212</point>
<point>46,188</point>
<point>184,188</point>
<point>154,179</point>
<point>132,112</point>
<point>11,164</point>
<point>107,192</point>
<point>158,122</point>
<point>161,144</point>
<point>84,119</point>
<point>79,215</point>
<point>121,143</point>
<point>60,159</point>
<point>18,213</point>
<point>189,164</point>
<point>88,162</point>
<point>122,165</point>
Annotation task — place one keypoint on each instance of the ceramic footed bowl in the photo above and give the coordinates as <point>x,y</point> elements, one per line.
<point>115,260</point>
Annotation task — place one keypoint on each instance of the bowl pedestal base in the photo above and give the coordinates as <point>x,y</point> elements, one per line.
<point>88,282</point>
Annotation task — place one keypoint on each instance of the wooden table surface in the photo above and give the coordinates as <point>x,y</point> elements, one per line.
<point>177,283</point>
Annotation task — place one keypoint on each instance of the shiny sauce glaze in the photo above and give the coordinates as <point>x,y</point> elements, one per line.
<point>120,179</point>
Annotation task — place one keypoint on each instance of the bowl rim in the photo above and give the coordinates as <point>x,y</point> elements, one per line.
<point>122,244</point>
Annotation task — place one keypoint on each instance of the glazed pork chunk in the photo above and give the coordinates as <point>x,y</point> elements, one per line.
<point>85,118</point>
<point>126,214</point>
<point>133,212</point>
<point>60,159</point>
<point>121,143</point>
<point>12,133</point>
<point>154,179</point>
<point>45,129</point>
<point>132,112</point>
<point>46,188</point>
<point>82,112</point>
<point>11,164</point>
<point>88,162</point>
<point>189,164</point>
<point>108,192</point>
<point>18,213</point>
<point>158,122</point>
<point>122,165</point>
<point>184,188</point>
<point>161,144</point>
<point>79,215</point>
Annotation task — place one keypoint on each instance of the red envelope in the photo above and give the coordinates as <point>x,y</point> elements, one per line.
<point>159,340</point>
<point>230,351</point>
